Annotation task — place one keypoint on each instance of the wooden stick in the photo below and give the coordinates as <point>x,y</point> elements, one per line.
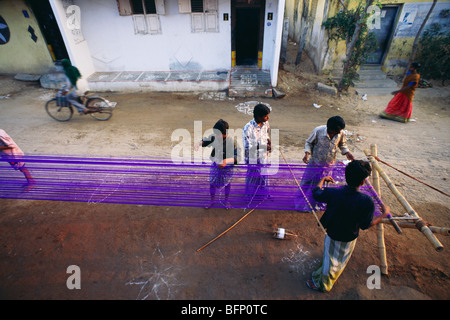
<point>409,224</point>
<point>409,176</point>
<point>298,184</point>
<point>419,225</point>
<point>380,227</point>
<point>220,235</point>
<point>405,218</point>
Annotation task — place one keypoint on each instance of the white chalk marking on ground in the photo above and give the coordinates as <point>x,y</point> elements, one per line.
<point>300,260</point>
<point>157,279</point>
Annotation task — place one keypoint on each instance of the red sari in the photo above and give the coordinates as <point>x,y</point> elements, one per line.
<point>400,107</point>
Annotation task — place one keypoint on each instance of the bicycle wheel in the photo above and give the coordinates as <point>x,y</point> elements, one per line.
<point>99,109</point>
<point>58,113</point>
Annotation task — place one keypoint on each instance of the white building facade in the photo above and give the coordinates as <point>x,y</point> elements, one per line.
<point>147,38</point>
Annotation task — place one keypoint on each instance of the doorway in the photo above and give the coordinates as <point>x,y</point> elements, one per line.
<point>247,31</point>
<point>383,34</point>
<point>49,28</point>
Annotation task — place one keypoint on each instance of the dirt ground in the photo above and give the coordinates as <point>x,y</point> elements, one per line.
<point>150,252</point>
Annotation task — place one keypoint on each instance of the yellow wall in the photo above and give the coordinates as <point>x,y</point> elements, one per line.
<point>21,54</point>
<point>400,47</point>
<point>399,52</point>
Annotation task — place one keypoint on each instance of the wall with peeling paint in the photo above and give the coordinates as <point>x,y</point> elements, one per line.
<point>328,56</point>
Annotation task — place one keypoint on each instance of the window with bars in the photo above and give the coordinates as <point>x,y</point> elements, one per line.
<point>197,6</point>
<point>143,6</point>
<point>145,14</point>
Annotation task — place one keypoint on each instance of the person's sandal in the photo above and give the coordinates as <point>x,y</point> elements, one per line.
<point>311,285</point>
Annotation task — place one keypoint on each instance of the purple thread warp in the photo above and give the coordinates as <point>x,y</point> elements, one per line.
<point>151,181</point>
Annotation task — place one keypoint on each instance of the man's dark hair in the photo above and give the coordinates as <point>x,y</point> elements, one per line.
<point>260,110</point>
<point>356,172</point>
<point>222,126</point>
<point>336,123</point>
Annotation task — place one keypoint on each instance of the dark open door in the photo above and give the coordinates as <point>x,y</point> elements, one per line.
<point>383,34</point>
<point>247,30</point>
<point>49,28</point>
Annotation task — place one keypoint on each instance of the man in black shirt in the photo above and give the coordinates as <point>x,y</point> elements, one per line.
<point>223,157</point>
<point>348,210</point>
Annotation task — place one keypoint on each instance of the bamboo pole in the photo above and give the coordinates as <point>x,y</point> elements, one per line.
<point>389,216</point>
<point>409,224</point>
<point>419,224</point>
<point>380,226</point>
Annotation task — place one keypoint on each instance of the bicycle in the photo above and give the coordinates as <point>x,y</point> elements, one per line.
<point>60,108</point>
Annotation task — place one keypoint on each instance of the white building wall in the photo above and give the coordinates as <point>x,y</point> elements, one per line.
<point>77,47</point>
<point>274,47</point>
<point>114,45</point>
<point>107,41</point>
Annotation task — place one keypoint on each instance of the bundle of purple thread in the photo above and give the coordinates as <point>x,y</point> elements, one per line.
<point>152,181</point>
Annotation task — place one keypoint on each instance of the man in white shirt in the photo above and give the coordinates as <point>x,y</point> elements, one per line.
<point>321,150</point>
<point>257,145</point>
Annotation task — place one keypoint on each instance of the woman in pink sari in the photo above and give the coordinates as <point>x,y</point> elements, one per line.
<point>400,107</point>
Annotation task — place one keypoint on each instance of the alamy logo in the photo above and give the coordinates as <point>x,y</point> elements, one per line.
<point>374,21</point>
<point>73,14</point>
<point>183,153</point>
<point>74,281</point>
<point>374,281</point>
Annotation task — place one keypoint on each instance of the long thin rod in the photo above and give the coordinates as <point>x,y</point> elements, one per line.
<point>235,224</point>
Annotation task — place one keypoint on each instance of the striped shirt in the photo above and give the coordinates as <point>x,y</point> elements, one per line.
<point>324,150</point>
<point>256,141</point>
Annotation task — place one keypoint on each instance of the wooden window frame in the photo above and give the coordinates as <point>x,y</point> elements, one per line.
<point>206,21</point>
<point>146,23</point>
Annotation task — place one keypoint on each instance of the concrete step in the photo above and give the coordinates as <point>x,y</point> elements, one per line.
<point>259,91</point>
<point>386,83</point>
<point>370,67</point>
<point>375,91</point>
<point>371,75</point>
<point>250,82</point>
<point>373,81</point>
